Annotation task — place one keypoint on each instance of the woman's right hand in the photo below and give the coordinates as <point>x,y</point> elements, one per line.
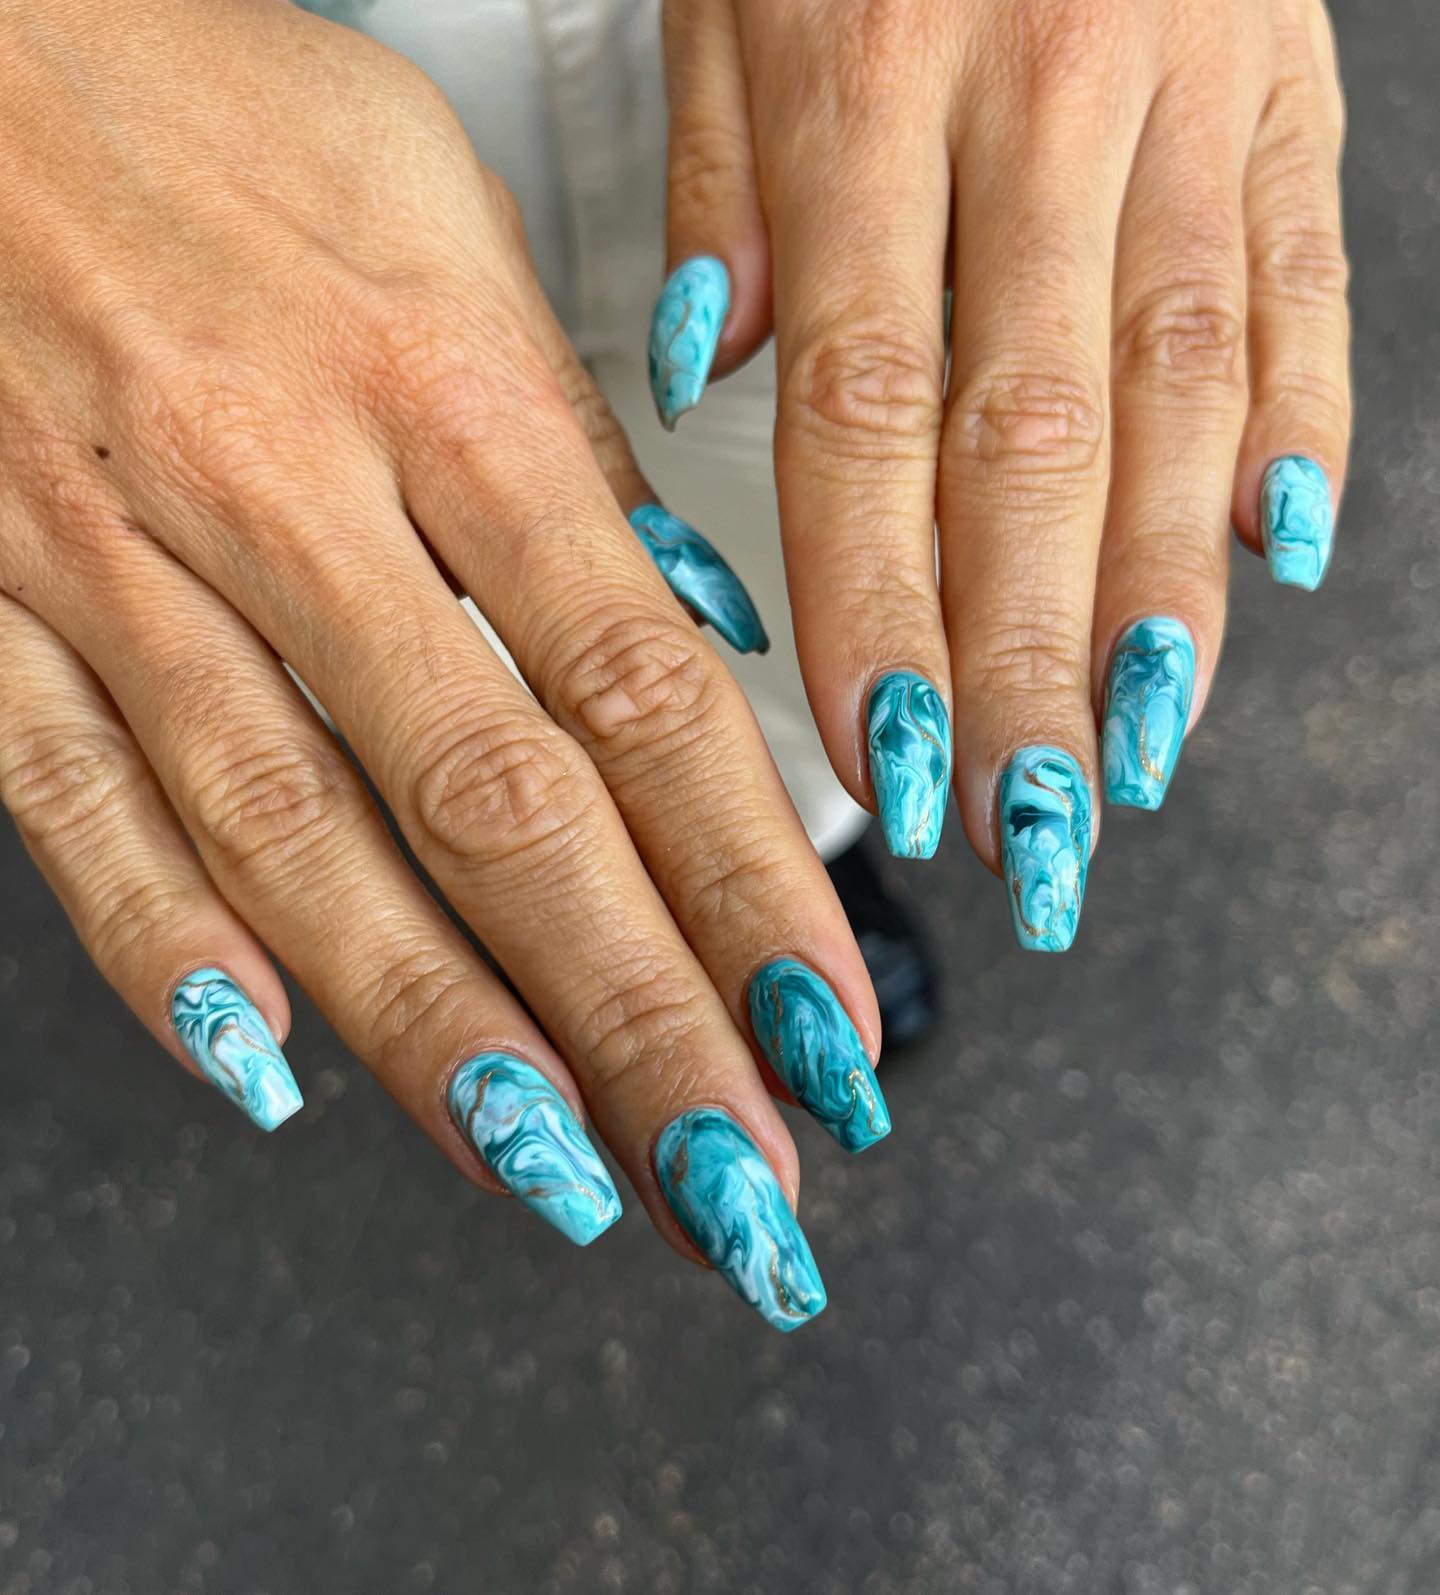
<point>272,365</point>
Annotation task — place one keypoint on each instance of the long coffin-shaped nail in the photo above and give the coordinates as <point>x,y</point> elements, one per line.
<point>223,1032</point>
<point>1044,845</point>
<point>813,1047</point>
<point>728,1201</point>
<point>684,332</point>
<point>526,1133</point>
<point>698,576</point>
<point>1147,707</point>
<point>1297,521</point>
<point>908,732</point>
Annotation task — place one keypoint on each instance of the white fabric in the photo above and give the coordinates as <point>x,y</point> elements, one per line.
<point>564,99</point>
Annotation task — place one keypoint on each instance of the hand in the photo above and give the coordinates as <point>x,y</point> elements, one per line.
<point>271,359</point>
<point>1149,340</point>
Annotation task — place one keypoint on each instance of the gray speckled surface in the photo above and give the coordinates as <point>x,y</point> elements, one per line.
<point>1143,1294</point>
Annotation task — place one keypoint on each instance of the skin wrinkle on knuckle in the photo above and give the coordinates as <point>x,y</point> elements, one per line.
<point>639,682</point>
<point>641,1032</point>
<point>1187,334</point>
<point>410,1001</point>
<point>1301,264</point>
<point>57,780</point>
<point>492,793</point>
<point>1017,422</point>
<point>124,918</point>
<point>868,384</point>
<point>264,809</point>
<point>1020,658</point>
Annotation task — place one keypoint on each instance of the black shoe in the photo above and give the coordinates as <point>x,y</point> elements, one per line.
<point>893,944</point>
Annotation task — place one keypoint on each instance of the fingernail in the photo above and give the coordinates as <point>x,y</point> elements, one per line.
<point>909,735</point>
<point>1297,521</point>
<point>728,1201</point>
<point>699,577</point>
<point>1044,845</point>
<point>527,1135</point>
<point>1147,707</point>
<point>811,1044</point>
<point>223,1032</point>
<point>684,332</point>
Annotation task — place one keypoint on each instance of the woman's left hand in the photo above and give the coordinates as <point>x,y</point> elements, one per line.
<point>1139,208</point>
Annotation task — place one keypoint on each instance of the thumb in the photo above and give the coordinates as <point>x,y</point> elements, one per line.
<point>714,311</point>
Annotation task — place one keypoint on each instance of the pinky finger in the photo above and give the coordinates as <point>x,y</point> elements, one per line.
<point>1292,460</point>
<point>93,817</point>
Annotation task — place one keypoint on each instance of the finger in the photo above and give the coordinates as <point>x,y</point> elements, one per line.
<point>287,833</point>
<point>94,819</point>
<point>677,747</point>
<point>692,566</point>
<point>1178,391</point>
<point>1023,475</point>
<point>714,310</point>
<point>859,242</point>
<point>1292,461</point>
<point>502,808</point>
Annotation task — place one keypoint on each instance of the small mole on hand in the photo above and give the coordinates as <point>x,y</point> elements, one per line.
<point>101,452</point>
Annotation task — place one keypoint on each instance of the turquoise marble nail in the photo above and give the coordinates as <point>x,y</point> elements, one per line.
<point>1147,707</point>
<point>1297,521</point>
<point>728,1201</point>
<point>813,1047</point>
<point>1044,845</point>
<point>684,332</point>
<point>909,735</point>
<point>223,1032</point>
<point>698,576</point>
<point>528,1136</point>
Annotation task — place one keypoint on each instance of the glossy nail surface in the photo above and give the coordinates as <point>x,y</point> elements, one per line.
<point>1297,522</point>
<point>684,332</point>
<point>699,577</point>
<point>1147,707</point>
<point>1044,845</point>
<point>811,1044</point>
<point>908,732</point>
<point>728,1201</point>
<point>223,1032</point>
<point>527,1134</point>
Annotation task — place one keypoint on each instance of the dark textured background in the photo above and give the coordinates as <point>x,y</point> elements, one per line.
<point>1142,1296</point>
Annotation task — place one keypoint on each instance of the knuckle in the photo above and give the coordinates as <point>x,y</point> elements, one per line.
<point>205,423</point>
<point>493,792</point>
<point>633,1035</point>
<point>1059,42</point>
<point>708,163</point>
<point>411,1000</point>
<point>268,807</point>
<point>592,410</point>
<point>126,917</point>
<point>1027,420</point>
<point>640,680</point>
<point>63,779</point>
<point>1187,333</point>
<point>1304,265</point>
<point>872,380</point>
<point>1028,655</point>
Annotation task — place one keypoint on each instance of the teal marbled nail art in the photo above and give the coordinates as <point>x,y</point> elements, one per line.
<point>1297,521</point>
<point>684,332</point>
<point>908,732</point>
<point>728,1201</point>
<point>1147,708</point>
<point>1044,845</point>
<point>699,577</point>
<point>813,1047</point>
<point>223,1032</point>
<point>528,1136</point>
